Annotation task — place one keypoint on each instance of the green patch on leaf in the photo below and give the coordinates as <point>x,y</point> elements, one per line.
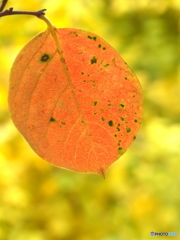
<point>128,130</point>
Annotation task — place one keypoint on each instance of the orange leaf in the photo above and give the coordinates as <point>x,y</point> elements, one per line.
<point>79,106</point>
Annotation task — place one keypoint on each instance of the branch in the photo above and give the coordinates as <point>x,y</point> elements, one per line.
<point>3,5</point>
<point>11,12</point>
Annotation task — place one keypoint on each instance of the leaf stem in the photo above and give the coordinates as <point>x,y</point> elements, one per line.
<point>53,32</point>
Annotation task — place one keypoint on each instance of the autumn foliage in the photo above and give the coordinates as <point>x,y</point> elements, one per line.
<point>75,100</point>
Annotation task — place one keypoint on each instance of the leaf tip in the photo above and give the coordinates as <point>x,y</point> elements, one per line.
<point>102,172</point>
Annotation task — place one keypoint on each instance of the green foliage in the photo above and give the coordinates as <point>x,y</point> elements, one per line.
<point>140,194</point>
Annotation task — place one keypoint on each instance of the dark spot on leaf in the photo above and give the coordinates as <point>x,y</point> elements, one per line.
<point>121,105</point>
<point>134,137</point>
<point>95,103</point>
<point>63,123</point>
<point>118,124</point>
<point>95,113</point>
<point>115,135</point>
<point>84,80</point>
<point>128,130</point>
<point>94,60</point>
<point>91,37</point>
<point>118,129</point>
<point>135,120</point>
<point>120,148</point>
<point>52,119</point>
<point>82,73</point>
<point>102,119</point>
<point>126,78</point>
<point>122,119</point>
<point>99,46</point>
<point>106,65</point>
<point>109,103</point>
<point>74,33</point>
<point>104,48</point>
<point>45,57</point>
<point>110,123</point>
<point>62,60</point>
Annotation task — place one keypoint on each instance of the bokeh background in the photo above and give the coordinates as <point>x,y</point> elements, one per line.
<point>141,192</point>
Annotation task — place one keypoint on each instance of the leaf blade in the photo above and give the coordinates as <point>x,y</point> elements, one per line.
<point>78,109</point>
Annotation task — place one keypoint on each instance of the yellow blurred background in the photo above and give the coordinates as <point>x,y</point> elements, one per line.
<point>141,192</point>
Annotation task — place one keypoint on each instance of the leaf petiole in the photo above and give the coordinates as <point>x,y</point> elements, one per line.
<point>53,32</point>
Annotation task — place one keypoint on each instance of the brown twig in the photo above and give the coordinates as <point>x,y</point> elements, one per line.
<point>10,11</point>
<point>3,5</point>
